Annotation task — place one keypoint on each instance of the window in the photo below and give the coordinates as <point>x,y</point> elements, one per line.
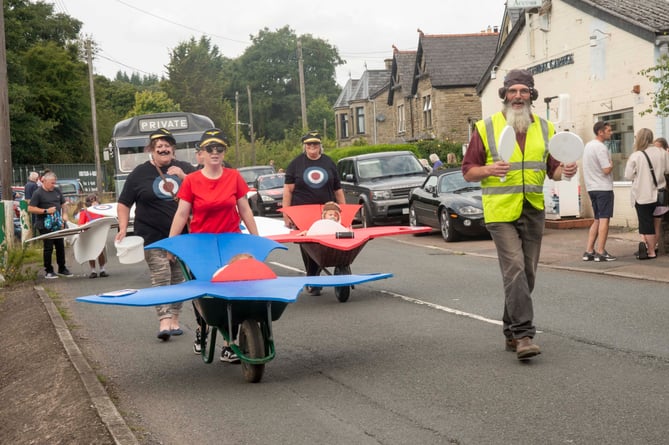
<point>427,111</point>
<point>360,119</point>
<point>401,122</point>
<point>621,143</point>
<point>343,126</point>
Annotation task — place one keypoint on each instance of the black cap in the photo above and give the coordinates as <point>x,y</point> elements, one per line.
<point>312,136</point>
<point>163,133</point>
<point>213,136</point>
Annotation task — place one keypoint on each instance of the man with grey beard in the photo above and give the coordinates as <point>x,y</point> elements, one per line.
<point>513,207</point>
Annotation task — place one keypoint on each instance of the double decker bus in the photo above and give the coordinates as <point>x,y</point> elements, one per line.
<point>130,136</point>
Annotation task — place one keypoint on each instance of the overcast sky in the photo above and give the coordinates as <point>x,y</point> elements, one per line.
<point>138,35</point>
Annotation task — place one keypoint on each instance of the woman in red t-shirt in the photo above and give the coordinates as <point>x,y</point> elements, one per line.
<point>214,198</point>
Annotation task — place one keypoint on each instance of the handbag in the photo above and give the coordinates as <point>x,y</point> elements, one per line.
<point>54,222</point>
<point>662,195</point>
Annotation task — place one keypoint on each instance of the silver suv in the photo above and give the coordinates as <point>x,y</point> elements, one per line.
<point>381,183</point>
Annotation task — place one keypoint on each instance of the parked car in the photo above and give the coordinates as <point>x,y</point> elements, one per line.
<point>269,194</point>
<point>250,174</point>
<point>72,189</point>
<point>381,183</point>
<point>449,203</point>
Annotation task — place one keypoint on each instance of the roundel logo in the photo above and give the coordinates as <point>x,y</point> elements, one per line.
<point>315,177</point>
<point>164,189</point>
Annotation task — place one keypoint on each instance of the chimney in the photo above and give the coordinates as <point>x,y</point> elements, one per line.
<point>495,29</point>
<point>388,63</point>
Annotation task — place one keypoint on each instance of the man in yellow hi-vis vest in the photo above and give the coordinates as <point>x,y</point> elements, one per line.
<point>513,200</point>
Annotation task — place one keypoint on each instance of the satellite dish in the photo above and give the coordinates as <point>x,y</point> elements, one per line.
<point>380,117</point>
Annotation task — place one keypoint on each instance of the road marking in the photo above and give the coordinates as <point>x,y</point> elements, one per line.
<point>414,300</point>
<point>442,308</point>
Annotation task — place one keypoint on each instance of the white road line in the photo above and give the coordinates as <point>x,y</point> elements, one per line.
<point>415,301</point>
<point>442,308</point>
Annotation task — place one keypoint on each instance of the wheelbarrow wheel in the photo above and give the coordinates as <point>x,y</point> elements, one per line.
<point>342,292</point>
<point>252,344</point>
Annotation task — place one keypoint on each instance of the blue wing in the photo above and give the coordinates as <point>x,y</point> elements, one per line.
<point>205,253</point>
<point>284,289</point>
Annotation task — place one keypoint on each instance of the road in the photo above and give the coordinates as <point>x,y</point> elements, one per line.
<point>416,359</point>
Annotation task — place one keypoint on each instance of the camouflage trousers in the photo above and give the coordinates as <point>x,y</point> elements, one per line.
<point>164,272</point>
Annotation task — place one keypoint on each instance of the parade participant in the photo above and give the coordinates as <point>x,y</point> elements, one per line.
<point>514,208</point>
<point>152,188</point>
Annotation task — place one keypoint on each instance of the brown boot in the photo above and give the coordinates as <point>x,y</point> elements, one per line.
<point>511,344</point>
<point>525,349</point>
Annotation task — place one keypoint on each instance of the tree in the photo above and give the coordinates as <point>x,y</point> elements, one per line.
<point>270,67</point>
<point>195,80</point>
<point>49,111</point>
<point>658,75</point>
<point>148,102</point>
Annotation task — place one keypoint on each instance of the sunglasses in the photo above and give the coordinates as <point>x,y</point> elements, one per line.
<point>215,147</point>
<point>164,152</point>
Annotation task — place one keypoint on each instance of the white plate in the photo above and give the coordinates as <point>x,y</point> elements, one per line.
<point>566,147</point>
<point>507,143</point>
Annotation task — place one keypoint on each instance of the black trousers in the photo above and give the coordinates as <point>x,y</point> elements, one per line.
<point>49,245</point>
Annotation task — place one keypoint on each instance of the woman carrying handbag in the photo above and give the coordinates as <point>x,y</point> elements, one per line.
<point>646,168</point>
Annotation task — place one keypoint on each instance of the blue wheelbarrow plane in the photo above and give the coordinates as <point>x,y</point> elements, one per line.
<point>244,296</point>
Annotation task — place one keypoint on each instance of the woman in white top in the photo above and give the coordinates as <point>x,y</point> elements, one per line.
<point>644,191</point>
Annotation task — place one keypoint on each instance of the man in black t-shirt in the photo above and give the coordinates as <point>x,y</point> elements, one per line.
<point>48,202</point>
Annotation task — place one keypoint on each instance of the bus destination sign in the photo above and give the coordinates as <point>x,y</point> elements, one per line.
<point>175,123</point>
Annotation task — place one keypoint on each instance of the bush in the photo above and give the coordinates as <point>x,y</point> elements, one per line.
<point>13,264</point>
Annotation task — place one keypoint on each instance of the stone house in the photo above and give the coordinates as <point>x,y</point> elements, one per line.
<point>361,112</point>
<point>446,71</point>
<point>586,56</point>
<point>424,94</point>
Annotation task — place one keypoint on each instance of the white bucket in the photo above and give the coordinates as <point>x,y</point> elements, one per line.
<point>130,250</point>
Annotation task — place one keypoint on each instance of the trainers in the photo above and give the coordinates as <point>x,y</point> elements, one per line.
<point>604,257</point>
<point>313,290</point>
<point>197,344</point>
<point>228,355</point>
<point>588,256</point>
<point>103,274</point>
<point>65,272</point>
<point>50,276</point>
<point>93,275</point>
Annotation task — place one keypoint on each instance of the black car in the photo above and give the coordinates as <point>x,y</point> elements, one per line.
<point>269,194</point>
<point>447,202</point>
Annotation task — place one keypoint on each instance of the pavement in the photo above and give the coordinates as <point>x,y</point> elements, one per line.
<point>562,249</point>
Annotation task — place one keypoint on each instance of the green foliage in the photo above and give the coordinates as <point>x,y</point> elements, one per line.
<point>442,148</point>
<point>270,68</point>
<point>196,82</point>
<point>658,75</point>
<point>343,152</point>
<point>147,102</point>
<point>14,264</point>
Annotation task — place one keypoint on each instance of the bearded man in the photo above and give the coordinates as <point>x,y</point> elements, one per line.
<point>513,207</point>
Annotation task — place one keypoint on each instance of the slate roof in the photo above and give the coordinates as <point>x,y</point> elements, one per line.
<point>346,93</point>
<point>454,60</point>
<point>403,65</point>
<point>370,85</point>
<point>652,15</point>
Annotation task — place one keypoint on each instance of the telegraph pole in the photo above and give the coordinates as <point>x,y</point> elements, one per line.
<point>5,140</point>
<point>303,99</point>
<point>253,145</point>
<point>239,155</point>
<point>96,144</point>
